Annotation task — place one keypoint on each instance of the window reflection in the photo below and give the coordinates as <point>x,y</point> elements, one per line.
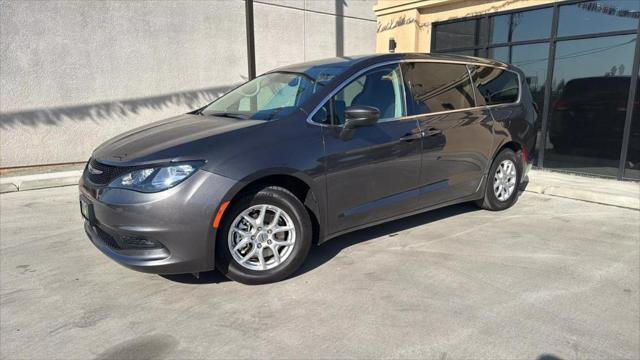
<point>500,54</point>
<point>589,95</point>
<point>499,29</point>
<point>496,86</point>
<point>598,16</point>
<point>532,60</point>
<point>530,25</point>
<point>456,35</point>
<point>438,87</point>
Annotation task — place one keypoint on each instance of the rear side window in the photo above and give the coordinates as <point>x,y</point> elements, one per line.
<point>435,87</point>
<point>496,86</point>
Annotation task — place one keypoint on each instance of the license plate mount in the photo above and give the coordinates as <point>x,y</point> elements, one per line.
<point>86,209</point>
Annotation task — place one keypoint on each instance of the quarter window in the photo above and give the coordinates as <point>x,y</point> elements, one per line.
<point>497,86</point>
<point>438,87</point>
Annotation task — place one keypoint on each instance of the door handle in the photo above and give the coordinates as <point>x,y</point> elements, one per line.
<point>411,136</point>
<point>432,132</point>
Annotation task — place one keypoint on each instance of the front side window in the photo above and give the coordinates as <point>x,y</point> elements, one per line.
<point>380,88</point>
<point>436,87</point>
<point>497,86</point>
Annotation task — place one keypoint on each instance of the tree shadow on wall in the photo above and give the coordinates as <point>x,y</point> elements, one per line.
<point>108,110</point>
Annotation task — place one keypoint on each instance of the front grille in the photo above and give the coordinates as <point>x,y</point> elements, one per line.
<point>106,173</point>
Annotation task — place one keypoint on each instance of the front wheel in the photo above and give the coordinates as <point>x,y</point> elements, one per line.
<point>502,184</point>
<point>264,237</point>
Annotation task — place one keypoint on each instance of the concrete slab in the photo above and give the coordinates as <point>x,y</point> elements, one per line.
<point>42,181</point>
<point>8,187</point>
<point>603,191</point>
<point>548,277</point>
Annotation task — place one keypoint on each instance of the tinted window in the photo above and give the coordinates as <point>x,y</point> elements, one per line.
<point>589,103</point>
<point>380,88</point>
<point>532,60</point>
<point>463,52</point>
<point>499,53</point>
<point>437,87</point>
<point>530,25</point>
<point>598,16</point>
<point>497,86</point>
<point>499,29</point>
<point>456,35</point>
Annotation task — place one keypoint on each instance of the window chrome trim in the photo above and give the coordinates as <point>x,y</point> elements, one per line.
<point>398,62</point>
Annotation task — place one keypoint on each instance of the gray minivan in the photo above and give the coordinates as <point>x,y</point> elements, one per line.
<point>304,153</point>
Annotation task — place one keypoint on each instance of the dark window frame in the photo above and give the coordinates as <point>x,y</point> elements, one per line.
<point>553,39</point>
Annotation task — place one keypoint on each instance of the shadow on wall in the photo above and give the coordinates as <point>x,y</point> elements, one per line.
<point>108,110</point>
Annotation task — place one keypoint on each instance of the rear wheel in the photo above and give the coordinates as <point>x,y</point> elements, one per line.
<point>502,184</point>
<point>264,237</point>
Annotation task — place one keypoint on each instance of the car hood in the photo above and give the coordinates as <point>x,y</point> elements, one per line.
<point>181,138</point>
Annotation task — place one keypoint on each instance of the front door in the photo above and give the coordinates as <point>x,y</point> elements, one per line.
<point>372,172</point>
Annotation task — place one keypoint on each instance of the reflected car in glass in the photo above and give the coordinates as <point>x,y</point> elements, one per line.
<point>304,153</point>
<point>589,115</point>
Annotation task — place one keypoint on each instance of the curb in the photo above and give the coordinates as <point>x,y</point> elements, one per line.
<point>623,194</point>
<point>39,181</point>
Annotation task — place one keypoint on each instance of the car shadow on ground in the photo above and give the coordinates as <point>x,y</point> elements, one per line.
<point>320,255</point>
<point>326,251</point>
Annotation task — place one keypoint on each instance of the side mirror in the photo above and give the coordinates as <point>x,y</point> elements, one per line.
<point>360,115</point>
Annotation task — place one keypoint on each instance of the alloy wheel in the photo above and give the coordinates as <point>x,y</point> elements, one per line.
<point>261,237</point>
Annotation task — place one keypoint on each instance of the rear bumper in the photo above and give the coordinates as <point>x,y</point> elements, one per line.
<point>174,225</point>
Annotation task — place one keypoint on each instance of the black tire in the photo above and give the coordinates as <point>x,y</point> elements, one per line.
<point>490,201</point>
<point>283,199</point>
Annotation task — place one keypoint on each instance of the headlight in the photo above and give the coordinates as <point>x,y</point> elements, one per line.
<point>154,179</point>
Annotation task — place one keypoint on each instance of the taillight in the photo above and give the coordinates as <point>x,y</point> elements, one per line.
<point>525,157</point>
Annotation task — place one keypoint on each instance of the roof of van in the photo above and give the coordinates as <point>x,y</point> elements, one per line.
<point>348,61</point>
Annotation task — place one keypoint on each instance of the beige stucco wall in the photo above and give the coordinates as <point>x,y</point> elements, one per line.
<point>409,21</point>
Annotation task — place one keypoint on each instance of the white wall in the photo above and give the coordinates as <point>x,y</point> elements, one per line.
<point>75,73</point>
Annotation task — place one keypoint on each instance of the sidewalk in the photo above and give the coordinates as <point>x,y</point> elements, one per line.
<point>624,194</point>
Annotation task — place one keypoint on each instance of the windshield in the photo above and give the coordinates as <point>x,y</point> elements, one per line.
<point>267,97</point>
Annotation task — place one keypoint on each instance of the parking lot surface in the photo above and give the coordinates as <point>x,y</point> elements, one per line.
<point>548,277</point>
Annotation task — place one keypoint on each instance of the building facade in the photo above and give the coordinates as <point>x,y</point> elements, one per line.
<point>76,73</point>
<point>581,61</point>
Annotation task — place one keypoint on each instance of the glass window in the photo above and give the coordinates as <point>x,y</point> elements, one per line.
<point>598,16</point>
<point>497,86</point>
<point>590,87</point>
<point>499,29</point>
<point>532,60</point>
<point>531,25</point>
<point>463,52</point>
<point>267,97</point>
<point>381,88</point>
<point>458,34</point>
<point>500,54</point>
<point>437,87</point>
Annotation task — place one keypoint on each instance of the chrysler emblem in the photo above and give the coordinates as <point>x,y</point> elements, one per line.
<point>94,171</point>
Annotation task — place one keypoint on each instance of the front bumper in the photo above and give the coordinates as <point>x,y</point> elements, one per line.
<point>174,226</point>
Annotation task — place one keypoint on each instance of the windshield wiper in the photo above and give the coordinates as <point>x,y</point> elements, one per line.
<point>231,115</point>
